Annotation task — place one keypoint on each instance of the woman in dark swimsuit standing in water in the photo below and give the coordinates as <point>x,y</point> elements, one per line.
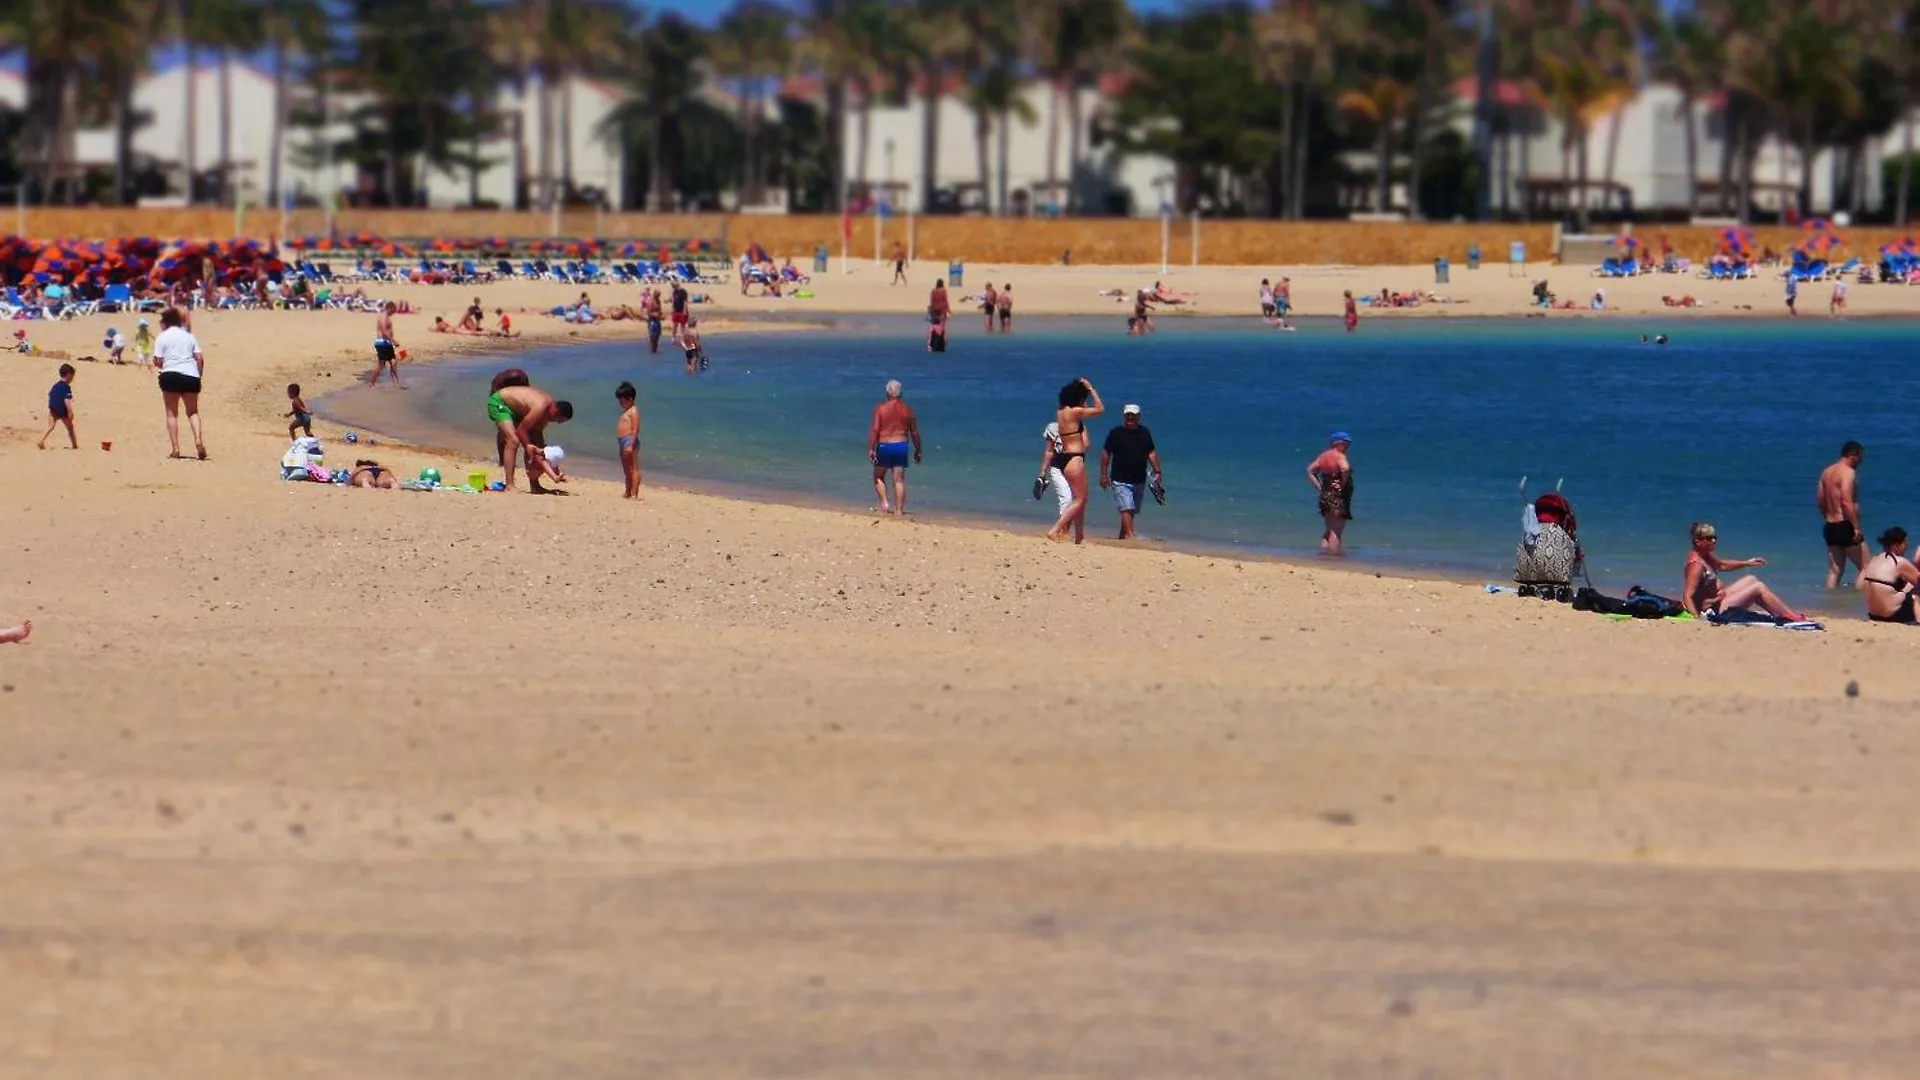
<point>1331,475</point>
<point>1078,401</point>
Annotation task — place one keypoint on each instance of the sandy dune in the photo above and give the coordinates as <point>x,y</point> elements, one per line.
<point>306,782</point>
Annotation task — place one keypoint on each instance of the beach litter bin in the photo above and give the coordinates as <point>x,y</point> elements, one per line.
<point>956,270</point>
<point>1440,270</point>
<point>820,258</point>
<point>1473,257</point>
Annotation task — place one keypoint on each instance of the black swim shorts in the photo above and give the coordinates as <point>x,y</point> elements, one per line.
<point>1840,534</point>
<point>179,382</point>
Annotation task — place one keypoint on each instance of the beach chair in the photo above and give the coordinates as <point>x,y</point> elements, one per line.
<point>117,298</point>
<point>503,269</point>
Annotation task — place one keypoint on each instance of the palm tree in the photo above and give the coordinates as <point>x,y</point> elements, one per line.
<point>291,28</point>
<point>751,47</point>
<point>1378,104</point>
<point>1904,45</point>
<point>1690,57</point>
<point>986,51</point>
<point>1580,90</point>
<point>662,65</point>
<point>1073,42</point>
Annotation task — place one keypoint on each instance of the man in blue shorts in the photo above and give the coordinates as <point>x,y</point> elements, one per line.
<point>893,431</point>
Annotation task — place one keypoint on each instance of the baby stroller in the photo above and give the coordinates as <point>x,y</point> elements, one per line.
<point>1548,556</point>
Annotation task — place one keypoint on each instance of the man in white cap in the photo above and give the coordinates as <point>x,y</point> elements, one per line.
<point>893,430</point>
<point>1125,462</point>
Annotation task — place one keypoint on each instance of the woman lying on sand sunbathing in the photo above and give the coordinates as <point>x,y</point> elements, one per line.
<point>1705,594</point>
<point>372,474</point>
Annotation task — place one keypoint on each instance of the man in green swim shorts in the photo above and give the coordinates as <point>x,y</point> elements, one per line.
<point>521,415</point>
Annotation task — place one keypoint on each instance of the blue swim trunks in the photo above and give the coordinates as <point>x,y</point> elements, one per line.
<point>627,442</point>
<point>891,455</point>
<point>1127,496</point>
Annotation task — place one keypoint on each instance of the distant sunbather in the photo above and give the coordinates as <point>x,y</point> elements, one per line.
<point>372,474</point>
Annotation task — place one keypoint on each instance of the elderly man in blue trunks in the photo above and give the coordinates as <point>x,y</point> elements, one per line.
<point>894,429</point>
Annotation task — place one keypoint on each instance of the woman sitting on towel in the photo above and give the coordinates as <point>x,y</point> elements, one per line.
<point>1705,595</point>
<point>1889,580</point>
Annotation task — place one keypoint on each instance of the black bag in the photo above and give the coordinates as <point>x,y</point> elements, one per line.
<point>1638,603</point>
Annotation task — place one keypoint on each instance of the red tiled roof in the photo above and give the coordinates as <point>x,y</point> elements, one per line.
<point>1506,93</point>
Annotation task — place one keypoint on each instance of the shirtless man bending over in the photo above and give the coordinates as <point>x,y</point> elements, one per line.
<point>521,414</point>
<point>1839,501</point>
<point>894,428</point>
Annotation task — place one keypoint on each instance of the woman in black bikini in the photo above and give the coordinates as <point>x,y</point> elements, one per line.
<point>1889,580</point>
<point>1078,401</point>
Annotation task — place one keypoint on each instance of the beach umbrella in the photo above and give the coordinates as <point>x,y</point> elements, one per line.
<point>1626,242</point>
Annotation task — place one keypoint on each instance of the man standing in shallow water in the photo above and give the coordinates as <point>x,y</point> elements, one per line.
<point>894,428</point>
<point>1839,501</point>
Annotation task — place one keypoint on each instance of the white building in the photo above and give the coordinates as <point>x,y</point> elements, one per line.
<point>893,164</point>
<point>162,96</point>
<point>1650,157</point>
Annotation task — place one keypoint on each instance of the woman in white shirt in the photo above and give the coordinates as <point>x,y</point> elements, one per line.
<point>181,365</point>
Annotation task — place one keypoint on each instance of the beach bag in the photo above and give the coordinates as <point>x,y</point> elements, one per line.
<point>1642,604</point>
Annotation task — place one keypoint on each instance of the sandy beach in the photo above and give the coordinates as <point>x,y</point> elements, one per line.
<point>303,781</point>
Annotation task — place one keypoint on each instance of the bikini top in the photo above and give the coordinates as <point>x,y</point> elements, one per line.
<point>1899,587</point>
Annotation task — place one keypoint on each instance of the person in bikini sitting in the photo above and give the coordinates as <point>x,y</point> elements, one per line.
<point>1889,581</point>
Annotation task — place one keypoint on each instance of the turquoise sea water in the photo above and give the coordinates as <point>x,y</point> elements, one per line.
<point>1731,423</point>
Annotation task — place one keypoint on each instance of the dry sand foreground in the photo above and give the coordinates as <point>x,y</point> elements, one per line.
<point>306,782</point>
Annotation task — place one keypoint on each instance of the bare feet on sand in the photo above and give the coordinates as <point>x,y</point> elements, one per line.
<point>16,634</point>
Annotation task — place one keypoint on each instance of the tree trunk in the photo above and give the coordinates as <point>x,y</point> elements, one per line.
<point>1053,144</point>
<point>1619,119</point>
<point>473,168</point>
<point>657,160</point>
<point>1729,136</point>
<point>520,192</point>
<point>543,103</point>
<point>743,196</point>
<point>279,121</point>
<point>1506,171</point>
<point>1526,162</point>
<point>1383,165</point>
<point>930,138</point>
<point>1585,217</point>
<point>1906,170</point>
<point>124,182</point>
<point>1282,166</point>
<point>1693,157</point>
<point>1006,147</point>
<point>982,134</point>
<point>1297,189</point>
<point>1806,172</point>
<point>228,196</point>
<point>1744,201</point>
<point>189,80</point>
<point>863,144</point>
<point>1076,124</point>
<point>566,139</point>
<point>1413,163</point>
<point>836,129</point>
<point>390,174</point>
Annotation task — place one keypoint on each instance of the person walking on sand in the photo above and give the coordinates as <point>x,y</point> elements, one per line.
<point>1283,301</point>
<point>1838,497</point>
<point>989,301</point>
<point>1077,402</point>
<point>893,430</point>
<point>1331,475</point>
<point>1006,308</point>
<point>1793,294</point>
<point>143,344</point>
<point>1704,596</point>
<point>1266,301</point>
<point>1127,459</point>
<point>626,434</point>
<point>1837,303</point>
<point>182,365</point>
<point>521,414</point>
<point>899,265</point>
<point>1352,314</point>
<point>298,416</point>
<point>60,407</point>
<point>1052,478</point>
<point>386,346</point>
<point>1889,580</point>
